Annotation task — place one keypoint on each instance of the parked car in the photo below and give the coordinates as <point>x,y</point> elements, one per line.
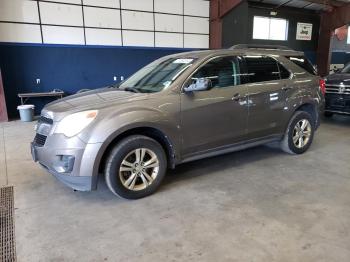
<point>180,108</point>
<point>338,92</point>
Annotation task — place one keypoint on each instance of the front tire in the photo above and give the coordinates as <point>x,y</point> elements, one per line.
<point>299,134</point>
<point>135,167</point>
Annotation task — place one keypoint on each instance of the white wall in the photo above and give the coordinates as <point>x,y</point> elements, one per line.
<point>151,23</point>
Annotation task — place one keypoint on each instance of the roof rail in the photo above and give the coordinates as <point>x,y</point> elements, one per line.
<point>255,46</point>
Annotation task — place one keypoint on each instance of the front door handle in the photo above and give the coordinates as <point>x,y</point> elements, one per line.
<point>236,97</point>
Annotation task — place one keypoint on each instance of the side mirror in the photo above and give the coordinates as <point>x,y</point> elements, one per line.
<point>199,84</point>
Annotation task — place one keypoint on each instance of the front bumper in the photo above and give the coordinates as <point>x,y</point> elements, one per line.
<point>70,160</point>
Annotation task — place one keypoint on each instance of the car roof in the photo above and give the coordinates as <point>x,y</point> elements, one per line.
<point>243,51</point>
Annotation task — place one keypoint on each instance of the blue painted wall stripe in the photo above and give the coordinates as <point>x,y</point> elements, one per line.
<point>69,68</point>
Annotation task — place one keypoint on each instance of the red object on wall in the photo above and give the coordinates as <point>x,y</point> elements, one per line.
<point>3,110</point>
<point>342,32</point>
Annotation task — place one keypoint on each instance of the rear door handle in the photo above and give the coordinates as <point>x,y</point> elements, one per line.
<point>286,88</point>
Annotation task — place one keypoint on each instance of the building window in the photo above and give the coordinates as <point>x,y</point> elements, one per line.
<point>268,28</point>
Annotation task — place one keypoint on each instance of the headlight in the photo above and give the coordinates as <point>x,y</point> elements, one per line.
<point>75,123</point>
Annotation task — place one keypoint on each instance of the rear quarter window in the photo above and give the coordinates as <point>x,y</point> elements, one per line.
<point>304,63</point>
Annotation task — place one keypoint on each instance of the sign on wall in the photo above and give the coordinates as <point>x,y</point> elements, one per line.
<point>304,31</point>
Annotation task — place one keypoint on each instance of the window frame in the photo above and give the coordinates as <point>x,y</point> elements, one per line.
<point>206,62</point>
<point>279,64</point>
<point>269,38</point>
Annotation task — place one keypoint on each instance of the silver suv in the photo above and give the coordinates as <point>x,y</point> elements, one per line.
<point>179,108</point>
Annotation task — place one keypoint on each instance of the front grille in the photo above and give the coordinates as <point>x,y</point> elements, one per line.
<point>338,89</point>
<point>7,225</point>
<point>337,102</point>
<point>45,120</point>
<point>39,140</point>
<point>43,129</point>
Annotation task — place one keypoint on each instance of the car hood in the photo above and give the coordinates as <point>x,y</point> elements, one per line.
<point>338,78</point>
<point>95,99</point>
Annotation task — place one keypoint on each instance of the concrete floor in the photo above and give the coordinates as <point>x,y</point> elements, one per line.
<point>255,205</point>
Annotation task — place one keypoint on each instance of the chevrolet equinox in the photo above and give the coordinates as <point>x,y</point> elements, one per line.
<point>177,109</point>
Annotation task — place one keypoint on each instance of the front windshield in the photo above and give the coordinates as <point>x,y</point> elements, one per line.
<point>158,75</point>
<point>346,69</point>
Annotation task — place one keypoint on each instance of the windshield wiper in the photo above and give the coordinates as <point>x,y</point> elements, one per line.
<point>131,89</point>
<point>114,86</point>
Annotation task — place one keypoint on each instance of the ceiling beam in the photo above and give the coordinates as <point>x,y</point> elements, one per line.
<point>330,3</point>
<point>329,22</point>
<point>226,6</point>
<point>337,17</point>
<point>218,9</point>
<point>284,3</point>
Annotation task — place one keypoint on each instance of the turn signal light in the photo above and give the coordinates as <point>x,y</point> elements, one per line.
<point>323,86</point>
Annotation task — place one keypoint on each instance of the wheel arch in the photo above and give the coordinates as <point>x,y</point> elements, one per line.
<point>310,108</point>
<point>151,132</point>
<point>307,106</point>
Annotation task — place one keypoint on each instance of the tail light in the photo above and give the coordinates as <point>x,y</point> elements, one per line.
<point>323,86</point>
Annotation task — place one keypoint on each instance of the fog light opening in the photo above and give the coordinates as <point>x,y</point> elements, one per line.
<point>64,164</point>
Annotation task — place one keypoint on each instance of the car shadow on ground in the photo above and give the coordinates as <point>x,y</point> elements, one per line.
<point>224,162</point>
<point>339,120</point>
<point>200,168</point>
<point>209,166</point>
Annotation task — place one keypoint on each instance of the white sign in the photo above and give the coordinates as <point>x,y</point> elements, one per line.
<point>304,31</point>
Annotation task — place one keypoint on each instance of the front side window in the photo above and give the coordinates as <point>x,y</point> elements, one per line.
<point>261,69</point>
<point>221,72</point>
<point>268,28</point>
<point>158,75</point>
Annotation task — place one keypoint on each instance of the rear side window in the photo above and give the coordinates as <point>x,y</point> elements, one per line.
<point>303,62</point>
<point>261,68</point>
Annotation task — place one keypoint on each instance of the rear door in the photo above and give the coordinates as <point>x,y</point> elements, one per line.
<point>269,83</point>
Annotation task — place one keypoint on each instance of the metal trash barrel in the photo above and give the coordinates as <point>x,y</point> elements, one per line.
<point>26,112</point>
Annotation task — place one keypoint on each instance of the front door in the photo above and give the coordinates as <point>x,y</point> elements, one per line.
<point>215,117</point>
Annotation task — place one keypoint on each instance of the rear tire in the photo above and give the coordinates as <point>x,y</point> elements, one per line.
<point>299,134</point>
<point>135,167</point>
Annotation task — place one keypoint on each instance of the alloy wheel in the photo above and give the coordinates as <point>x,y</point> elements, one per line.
<point>139,169</point>
<point>302,133</point>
